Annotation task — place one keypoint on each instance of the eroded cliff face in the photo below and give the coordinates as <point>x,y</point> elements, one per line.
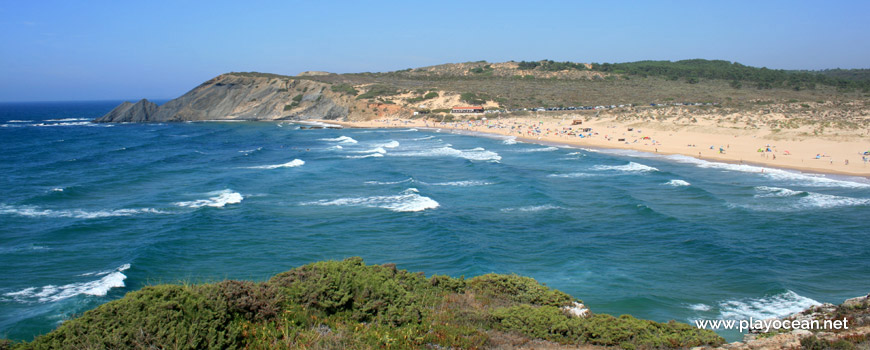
<point>242,96</point>
<point>141,111</point>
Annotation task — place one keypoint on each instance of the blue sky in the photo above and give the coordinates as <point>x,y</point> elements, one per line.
<point>103,50</point>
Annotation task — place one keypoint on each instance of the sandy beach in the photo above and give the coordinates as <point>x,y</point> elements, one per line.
<point>708,142</point>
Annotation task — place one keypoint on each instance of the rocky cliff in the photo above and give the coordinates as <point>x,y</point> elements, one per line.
<point>128,112</point>
<point>242,96</point>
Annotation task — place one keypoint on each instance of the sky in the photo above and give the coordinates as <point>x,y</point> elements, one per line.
<point>113,50</point>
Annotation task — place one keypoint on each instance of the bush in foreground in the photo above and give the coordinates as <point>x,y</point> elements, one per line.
<point>350,305</point>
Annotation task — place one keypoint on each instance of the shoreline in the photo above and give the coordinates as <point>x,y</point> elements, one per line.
<point>483,130</point>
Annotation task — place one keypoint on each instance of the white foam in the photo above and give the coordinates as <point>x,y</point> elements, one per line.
<point>576,154</point>
<point>677,183</point>
<point>700,307</point>
<point>252,150</point>
<point>424,138</point>
<point>825,201</point>
<point>572,175</point>
<point>373,150</point>
<point>510,141</point>
<point>532,208</point>
<point>65,124</point>
<point>219,199</point>
<point>391,144</point>
<point>51,293</point>
<point>20,121</point>
<point>407,201</point>
<point>790,200</point>
<point>371,155</point>
<point>410,179</point>
<point>631,167</point>
<point>815,180</point>
<point>57,189</point>
<point>774,306</point>
<point>766,192</point>
<point>464,183</point>
<point>341,139</point>
<point>291,164</point>
<point>335,147</point>
<point>325,125</point>
<point>471,154</point>
<point>67,120</point>
<point>31,211</point>
<point>540,149</point>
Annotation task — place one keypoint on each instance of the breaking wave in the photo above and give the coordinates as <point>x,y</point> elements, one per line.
<point>532,208</point>
<point>572,175</point>
<point>341,139</point>
<point>631,167</point>
<point>51,293</point>
<point>542,149</point>
<point>219,199</point>
<point>779,305</point>
<point>677,183</point>
<point>767,192</point>
<point>291,164</point>
<point>32,211</point>
<point>815,180</point>
<point>371,155</point>
<point>784,200</point>
<point>391,144</point>
<point>410,179</point>
<point>478,153</point>
<point>407,201</point>
<point>460,183</point>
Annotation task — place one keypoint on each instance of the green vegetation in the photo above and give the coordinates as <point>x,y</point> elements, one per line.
<point>378,90</point>
<point>473,98</point>
<point>732,85</point>
<point>551,66</point>
<point>344,89</point>
<point>485,70</point>
<point>349,305</point>
<point>427,96</point>
<point>716,69</point>
<point>297,98</point>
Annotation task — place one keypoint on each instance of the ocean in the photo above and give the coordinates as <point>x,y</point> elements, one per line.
<point>89,212</point>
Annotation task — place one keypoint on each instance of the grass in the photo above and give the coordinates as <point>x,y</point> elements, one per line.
<point>350,305</point>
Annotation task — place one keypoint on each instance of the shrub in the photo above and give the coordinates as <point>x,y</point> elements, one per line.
<point>551,323</point>
<point>349,305</point>
<point>297,98</point>
<point>473,98</point>
<point>378,90</point>
<point>344,89</point>
<point>164,316</point>
<point>518,289</point>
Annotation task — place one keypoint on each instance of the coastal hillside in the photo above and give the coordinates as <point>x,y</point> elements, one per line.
<point>513,88</point>
<point>350,305</point>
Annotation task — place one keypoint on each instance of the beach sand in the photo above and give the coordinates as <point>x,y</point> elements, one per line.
<point>707,142</point>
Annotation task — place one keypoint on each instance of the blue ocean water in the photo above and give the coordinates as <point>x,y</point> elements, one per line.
<point>89,212</point>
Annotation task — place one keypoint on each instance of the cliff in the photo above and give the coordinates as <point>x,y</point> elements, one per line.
<point>241,96</point>
<point>141,111</point>
<point>515,88</point>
